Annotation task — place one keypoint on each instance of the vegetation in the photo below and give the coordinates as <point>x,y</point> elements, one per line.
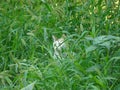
<point>92,29</point>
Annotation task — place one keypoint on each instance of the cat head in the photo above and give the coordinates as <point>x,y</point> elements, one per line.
<point>58,43</point>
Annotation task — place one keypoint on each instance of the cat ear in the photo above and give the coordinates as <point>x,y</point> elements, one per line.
<point>54,38</point>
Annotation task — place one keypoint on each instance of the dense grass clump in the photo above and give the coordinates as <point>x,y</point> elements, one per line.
<point>92,29</point>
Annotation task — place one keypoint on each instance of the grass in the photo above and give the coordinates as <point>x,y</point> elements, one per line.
<point>92,37</point>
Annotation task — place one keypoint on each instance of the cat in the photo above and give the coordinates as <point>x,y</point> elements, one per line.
<point>58,46</point>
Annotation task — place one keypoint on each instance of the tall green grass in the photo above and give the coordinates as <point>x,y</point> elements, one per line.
<point>92,29</point>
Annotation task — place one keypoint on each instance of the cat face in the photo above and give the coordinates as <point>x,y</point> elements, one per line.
<point>58,44</point>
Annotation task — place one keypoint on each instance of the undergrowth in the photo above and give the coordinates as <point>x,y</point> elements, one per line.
<point>92,29</point>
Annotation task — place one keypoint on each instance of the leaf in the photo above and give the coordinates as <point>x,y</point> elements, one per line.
<point>93,68</point>
<point>89,38</point>
<point>29,87</point>
<point>81,27</point>
<point>105,38</point>
<point>98,40</point>
<point>117,87</point>
<point>105,41</point>
<point>9,81</point>
<point>106,44</point>
<point>91,48</point>
<point>110,78</point>
<point>23,42</point>
<point>94,87</point>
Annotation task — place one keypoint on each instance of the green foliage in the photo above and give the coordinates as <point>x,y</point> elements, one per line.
<point>29,87</point>
<point>92,37</point>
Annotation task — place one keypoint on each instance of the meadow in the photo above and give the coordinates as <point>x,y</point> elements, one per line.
<point>92,30</point>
